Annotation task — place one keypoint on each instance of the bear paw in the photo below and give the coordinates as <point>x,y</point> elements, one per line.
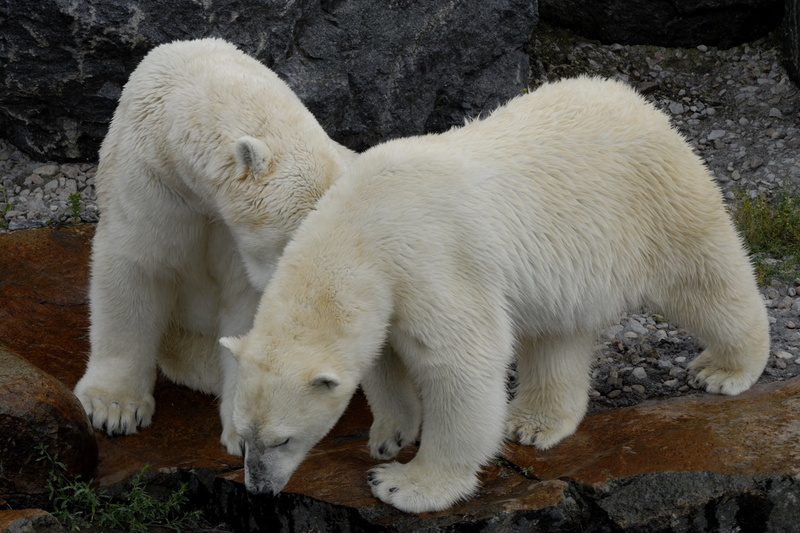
<point>115,411</point>
<point>386,440</point>
<point>718,379</point>
<point>539,430</point>
<point>414,489</point>
<point>233,443</point>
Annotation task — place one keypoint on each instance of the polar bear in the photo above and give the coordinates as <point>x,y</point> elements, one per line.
<point>523,234</point>
<point>209,165</point>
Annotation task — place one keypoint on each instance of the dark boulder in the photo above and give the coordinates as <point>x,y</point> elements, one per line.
<point>722,23</point>
<point>36,408</point>
<point>368,70</point>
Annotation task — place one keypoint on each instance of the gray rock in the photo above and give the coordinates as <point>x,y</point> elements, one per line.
<point>368,71</point>
<point>722,23</point>
<point>701,501</point>
<point>791,39</point>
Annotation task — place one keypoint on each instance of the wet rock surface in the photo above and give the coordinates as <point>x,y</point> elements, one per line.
<point>663,465</point>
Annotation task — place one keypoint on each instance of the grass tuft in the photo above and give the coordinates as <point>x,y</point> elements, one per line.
<point>771,229</point>
<point>77,505</point>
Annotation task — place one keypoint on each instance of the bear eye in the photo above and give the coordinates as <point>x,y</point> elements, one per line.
<point>280,443</point>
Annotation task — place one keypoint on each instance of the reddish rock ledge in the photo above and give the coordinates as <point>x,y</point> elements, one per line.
<point>697,463</point>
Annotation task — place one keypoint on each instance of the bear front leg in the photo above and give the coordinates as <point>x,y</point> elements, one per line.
<point>552,391</point>
<point>395,405</point>
<point>463,416</point>
<point>129,312</point>
<point>239,305</point>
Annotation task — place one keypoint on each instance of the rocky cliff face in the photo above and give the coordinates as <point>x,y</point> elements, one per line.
<point>689,23</point>
<point>368,70</point>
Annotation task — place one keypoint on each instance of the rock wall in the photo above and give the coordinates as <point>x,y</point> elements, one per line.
<point>791,39</point>
<point>689,23</point>
<point>368,70</point>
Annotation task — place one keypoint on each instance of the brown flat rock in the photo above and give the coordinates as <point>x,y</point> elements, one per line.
<point>755,433</point>
<point>44,318</point>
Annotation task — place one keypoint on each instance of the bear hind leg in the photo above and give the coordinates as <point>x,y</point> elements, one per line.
<point>552,392</point>
<point>729,318</point>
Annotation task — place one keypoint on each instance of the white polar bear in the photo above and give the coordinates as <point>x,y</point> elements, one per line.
<point>525,233</point>
<point>209,165</point>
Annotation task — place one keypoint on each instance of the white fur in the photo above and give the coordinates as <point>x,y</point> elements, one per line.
<point>523,233</point>
<point>209,165</point>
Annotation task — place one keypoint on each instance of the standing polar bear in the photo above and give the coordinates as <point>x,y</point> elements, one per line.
<point>523,233</point>
<point>209,165</point>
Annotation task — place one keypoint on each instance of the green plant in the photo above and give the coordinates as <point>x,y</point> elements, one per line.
<point>75,206</point>
<point>771,229</point>
<point>6,206</point>
<point>76,504</point>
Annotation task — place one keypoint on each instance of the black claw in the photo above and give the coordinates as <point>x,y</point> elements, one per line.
<point>370,476</point>
<point>375,482</point>
<point>382,449</point>
<point>393,489</point>
<point>398,438</point>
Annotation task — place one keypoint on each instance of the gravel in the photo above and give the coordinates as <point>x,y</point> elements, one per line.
<point>737,108</point>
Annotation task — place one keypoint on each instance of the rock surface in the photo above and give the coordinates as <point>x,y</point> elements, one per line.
<point>722,23</point>
<point>29,521</point>
<point>35,409</point>
<point>369,71</point>
<point>697,462</point>
<point>791,39</point>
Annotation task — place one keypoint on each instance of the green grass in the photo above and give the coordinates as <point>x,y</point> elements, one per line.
<point>770,227</point>
<point>78,506</point>
<point>6,206</point>
<point>75,206</point>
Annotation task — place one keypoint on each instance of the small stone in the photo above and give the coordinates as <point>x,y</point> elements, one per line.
<point>671,383</point>
<point>639,373</point>
<point>630,335</point>
<point>780,363</point>
<point>775,113</point>
<point>47,171</point>
<point>659,335</point>
<point>614,394</point>
<point>676,108</point>
<point>791,325</point>
<point>703,48</point>
<point>638,388</point>
<point>51,185</point>
<point>716,134</point>
<point>755,161</point>
<point>783,355</point>
<point>33,179</point>
<point>677,372</point>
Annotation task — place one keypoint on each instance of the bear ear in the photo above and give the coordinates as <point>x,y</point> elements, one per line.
<point>328,380</point>
<point>233,344</point>
<point>252,155</point>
